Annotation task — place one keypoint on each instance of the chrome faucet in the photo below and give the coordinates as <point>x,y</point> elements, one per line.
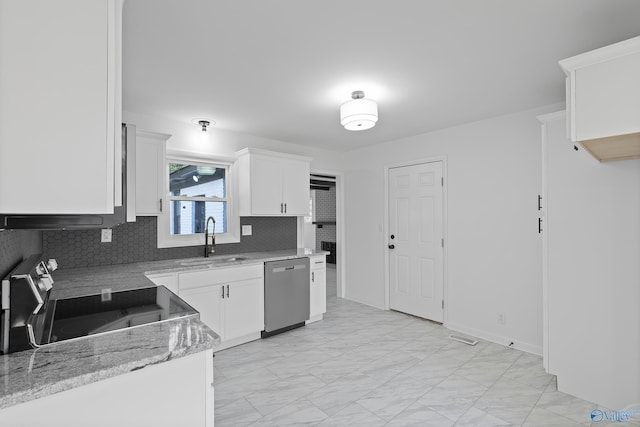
<point>208,250</point>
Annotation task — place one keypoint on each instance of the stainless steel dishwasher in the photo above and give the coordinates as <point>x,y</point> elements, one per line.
<point>286,295</point>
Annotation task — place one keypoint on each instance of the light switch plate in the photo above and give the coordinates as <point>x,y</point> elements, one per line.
<point>105,235</point>
<point>247,230</point>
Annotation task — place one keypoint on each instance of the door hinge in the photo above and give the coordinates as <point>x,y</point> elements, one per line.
<point>443,304</point>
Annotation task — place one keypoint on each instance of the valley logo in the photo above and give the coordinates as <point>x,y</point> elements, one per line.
<point>631,413</point>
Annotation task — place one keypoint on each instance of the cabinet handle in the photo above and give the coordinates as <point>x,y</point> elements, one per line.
<point>227,291</point>
<point>281,208</point>
<point>313,276</point>
<point>160,205</point>
<point>539,225</point>
<point>285,208</point>
<point>539,202</point>
<point>222,291</point>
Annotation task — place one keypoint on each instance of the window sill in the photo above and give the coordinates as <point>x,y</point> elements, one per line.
<point>195,240</point>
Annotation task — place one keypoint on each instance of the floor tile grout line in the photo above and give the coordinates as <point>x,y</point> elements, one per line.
<point>487,391</point>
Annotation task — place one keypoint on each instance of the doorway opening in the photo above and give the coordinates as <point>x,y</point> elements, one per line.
<point>322,228</point>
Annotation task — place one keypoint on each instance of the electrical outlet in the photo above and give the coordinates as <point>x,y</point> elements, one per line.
<point>247,230</point>
<point>502,319</point>
<point>105,235</point>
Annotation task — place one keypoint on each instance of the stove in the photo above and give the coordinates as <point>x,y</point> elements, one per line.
<point>30,318</point>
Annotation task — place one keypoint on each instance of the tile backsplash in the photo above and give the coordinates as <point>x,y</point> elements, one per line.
<point>325,211</point>
<point>136,242</point>
<point>16,245</point>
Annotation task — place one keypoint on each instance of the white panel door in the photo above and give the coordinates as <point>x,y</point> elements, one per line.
<point>415,240</point>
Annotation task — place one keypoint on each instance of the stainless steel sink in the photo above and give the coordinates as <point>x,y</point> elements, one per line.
<point>212,260</point>
<point>232,259</point>
<point>193,262</point>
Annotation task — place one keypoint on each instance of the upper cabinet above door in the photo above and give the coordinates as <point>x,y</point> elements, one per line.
<point>272,184</point>
<point>60,108</point>
<point>603,100</point>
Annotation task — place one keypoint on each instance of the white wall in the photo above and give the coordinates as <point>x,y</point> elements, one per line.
<point>493,250</point>
<point>593,225</point>
<point>187,137</point>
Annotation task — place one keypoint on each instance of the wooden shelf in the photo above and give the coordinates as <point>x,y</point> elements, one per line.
<point>620,147</point>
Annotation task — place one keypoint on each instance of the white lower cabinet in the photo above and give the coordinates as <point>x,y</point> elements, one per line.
<point>230,301</point>
<point>174,393</point>
<point>243,308</point>
<point>208,302</point>
<point>318,290</point>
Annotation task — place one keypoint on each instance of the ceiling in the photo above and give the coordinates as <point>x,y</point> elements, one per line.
<point>280,69</point>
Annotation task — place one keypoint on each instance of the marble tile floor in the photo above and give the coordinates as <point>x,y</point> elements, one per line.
<point>362,366</point>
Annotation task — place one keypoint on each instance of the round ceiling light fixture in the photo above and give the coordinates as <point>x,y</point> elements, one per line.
<point>360,113</point>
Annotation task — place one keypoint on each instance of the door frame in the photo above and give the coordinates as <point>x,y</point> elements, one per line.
<point>340,215</point>
<point>445,270</point>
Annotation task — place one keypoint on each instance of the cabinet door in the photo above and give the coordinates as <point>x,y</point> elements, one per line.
<point>295,187</point>
<point>266,186</point>
<point>208,302</point>
<point>143,397</point>
<point>244,308</point>
<point>607,98</point>
<point>318,290</point>
<point>58,108</point>
<point>150,154</point>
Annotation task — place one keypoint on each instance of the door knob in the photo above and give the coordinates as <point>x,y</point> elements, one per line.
<point>392,246</point>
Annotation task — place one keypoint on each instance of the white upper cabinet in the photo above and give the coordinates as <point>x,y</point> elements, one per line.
<point>272,184</point>
<point>60,106</point>
<point>151,149</point>
<point>603,100</point>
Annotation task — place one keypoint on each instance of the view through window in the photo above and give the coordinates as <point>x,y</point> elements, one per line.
<point>197,192</point>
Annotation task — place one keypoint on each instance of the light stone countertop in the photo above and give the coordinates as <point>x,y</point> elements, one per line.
<point>32,374</point>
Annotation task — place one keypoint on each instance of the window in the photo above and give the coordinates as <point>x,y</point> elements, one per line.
<point>197,190</point>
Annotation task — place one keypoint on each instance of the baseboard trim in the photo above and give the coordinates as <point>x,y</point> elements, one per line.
<point>363,302</point>
<point>237,341</point>
<point>495,338</point>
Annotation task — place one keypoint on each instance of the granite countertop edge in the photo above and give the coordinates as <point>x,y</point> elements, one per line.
<point>33,374</point>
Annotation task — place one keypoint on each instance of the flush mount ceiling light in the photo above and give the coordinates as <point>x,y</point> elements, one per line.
<point>360,113</point>
<point>203,123</point>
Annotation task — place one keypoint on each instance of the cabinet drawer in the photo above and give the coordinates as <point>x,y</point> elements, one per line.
<point>317,262</point>
<point>196,279</point>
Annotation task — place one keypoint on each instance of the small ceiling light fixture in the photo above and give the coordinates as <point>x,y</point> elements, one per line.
<point>203,123</point>
<point>360,113</point>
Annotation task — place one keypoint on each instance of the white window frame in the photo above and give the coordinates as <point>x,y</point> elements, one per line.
<point>168,240</point>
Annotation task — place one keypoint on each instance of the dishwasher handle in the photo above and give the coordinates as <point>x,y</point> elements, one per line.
<point>288,268</point>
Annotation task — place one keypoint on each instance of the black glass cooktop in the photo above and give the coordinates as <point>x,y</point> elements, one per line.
<point>70,318</point>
